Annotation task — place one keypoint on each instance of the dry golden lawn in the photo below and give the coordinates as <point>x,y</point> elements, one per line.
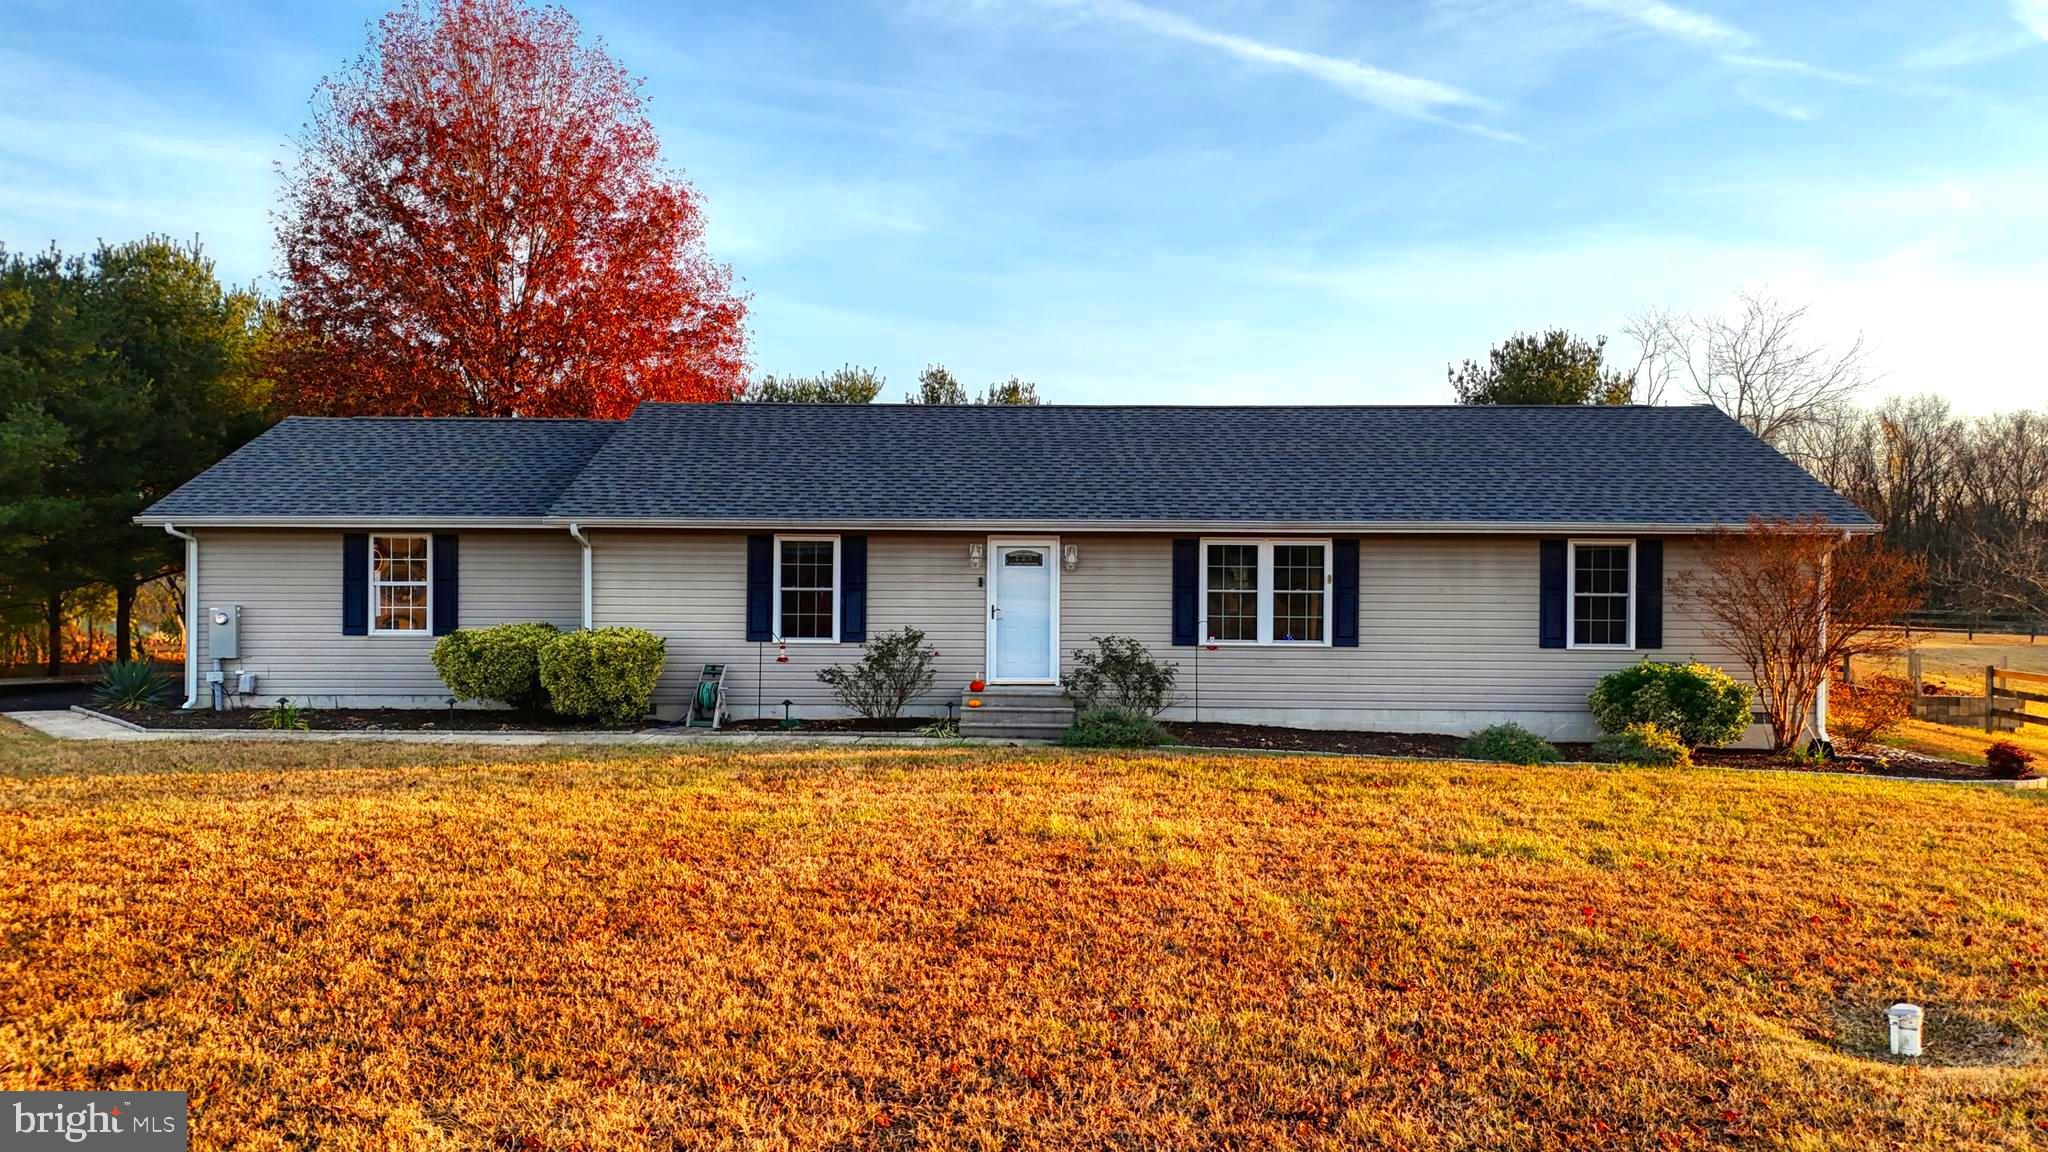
<point>395,947</point>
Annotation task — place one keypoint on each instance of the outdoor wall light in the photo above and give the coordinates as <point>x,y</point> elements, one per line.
<point>1071,556</point>
<point>974,556</point>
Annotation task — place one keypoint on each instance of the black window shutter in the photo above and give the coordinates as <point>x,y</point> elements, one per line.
<point>853,589</point>
<point>355,584</point>
<point>760,587</point>
<point>446,562</point>
<point>1344,602</point>
<point>1649,593</point>
<point>1186,590</point>
<point>1550,612</point>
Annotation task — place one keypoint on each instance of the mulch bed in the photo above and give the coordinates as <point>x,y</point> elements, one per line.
<point>844,724</point>
<point>376,720</point>
<point>1209,735</point>
<point>1895,762</point>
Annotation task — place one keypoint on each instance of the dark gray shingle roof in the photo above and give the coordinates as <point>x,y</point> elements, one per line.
<point>785,463</point>
<point>376,466</point>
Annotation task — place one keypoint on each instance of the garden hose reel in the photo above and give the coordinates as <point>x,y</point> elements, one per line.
<point>707,703</point>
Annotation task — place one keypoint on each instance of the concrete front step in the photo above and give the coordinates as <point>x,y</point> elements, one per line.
<point>1014,732</point>
<point>1017,712</point>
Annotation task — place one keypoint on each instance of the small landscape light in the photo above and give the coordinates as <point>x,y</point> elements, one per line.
<point>788,721</point>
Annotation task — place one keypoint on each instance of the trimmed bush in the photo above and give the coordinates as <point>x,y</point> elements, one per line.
<point>1646,744</point>
<point>1703,705</point>
<point>1114,728</point>
<point>2007,760</point>
<point>895,668</point>
<point>500,663</point>
<point>1510,744</point>
<point>1121,673</point>
<point>129,685</point>
<point>604,674</point>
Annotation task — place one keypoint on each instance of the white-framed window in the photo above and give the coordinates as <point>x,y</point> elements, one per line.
<point>807,589</point>
<point>1600,609</point>
<point>1273,591</point>
<point>401,585</point>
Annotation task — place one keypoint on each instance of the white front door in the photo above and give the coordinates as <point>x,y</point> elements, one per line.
<point>1023,610</point>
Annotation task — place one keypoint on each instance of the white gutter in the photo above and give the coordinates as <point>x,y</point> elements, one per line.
<point>191,615</point>
<point>580,538</point>
<point>370,522</point>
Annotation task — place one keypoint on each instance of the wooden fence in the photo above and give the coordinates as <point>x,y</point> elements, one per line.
<point>1971,623</point>
<point>2021,687</point>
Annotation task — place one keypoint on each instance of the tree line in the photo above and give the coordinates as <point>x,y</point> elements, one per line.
<point>122,375</point>
<point>1967,497</point>
<point>851,385</point>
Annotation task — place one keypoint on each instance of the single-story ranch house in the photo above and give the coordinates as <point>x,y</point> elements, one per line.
<point>1421,569</point>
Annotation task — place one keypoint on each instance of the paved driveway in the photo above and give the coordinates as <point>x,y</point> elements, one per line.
<point>41,697</point>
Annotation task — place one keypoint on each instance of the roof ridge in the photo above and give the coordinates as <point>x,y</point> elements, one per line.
<point>310,419</point>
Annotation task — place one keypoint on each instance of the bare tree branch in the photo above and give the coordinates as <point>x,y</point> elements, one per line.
<point>1757,366</point>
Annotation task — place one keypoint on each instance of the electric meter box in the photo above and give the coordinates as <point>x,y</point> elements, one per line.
<point>224,632</point>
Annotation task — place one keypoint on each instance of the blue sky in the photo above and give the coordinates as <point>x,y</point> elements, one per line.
<point>1197,200</point>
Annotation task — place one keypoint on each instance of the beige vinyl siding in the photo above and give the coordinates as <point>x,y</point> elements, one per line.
<point>288,584</point>
<point>1447,639</point>
<point>691,589</point>
<point>1447,629</point>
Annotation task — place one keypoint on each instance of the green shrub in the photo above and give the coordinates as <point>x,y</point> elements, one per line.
<point>1644,743</point>
<point>606,674</point>
<point>1703,705</point>
<point>1509,743</point>
<point>500,663</point>
<point>1120,673</point>
<point>1114,728</point>
<point>129,685</point>
<point>895,668</point>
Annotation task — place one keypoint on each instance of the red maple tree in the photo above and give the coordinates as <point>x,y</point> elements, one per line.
<point>479,224</point>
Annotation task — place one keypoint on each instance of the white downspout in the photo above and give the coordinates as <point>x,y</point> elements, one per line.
<point>1827,594</point>
<point>576,531</point>
<point>191,614</point>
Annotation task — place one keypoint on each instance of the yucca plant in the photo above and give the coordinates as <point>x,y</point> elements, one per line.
<point>130,684</point>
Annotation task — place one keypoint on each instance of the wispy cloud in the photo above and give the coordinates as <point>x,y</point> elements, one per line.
<point>1981,45</point>
<point>2033,14</point>
<point>1673,21</point>
<point>1730,45</point>
<point>1791,67</point>
<point>1398,92</point>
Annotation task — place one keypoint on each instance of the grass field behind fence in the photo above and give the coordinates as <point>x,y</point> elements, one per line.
<point>402,947</point>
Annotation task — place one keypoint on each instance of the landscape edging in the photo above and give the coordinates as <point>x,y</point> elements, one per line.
<point>131,725</point>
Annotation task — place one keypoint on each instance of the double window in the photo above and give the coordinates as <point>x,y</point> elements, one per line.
<point>1266,591</point>
<point>1602,573</point>
<point>807,588</point>
<point>399,583</point>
